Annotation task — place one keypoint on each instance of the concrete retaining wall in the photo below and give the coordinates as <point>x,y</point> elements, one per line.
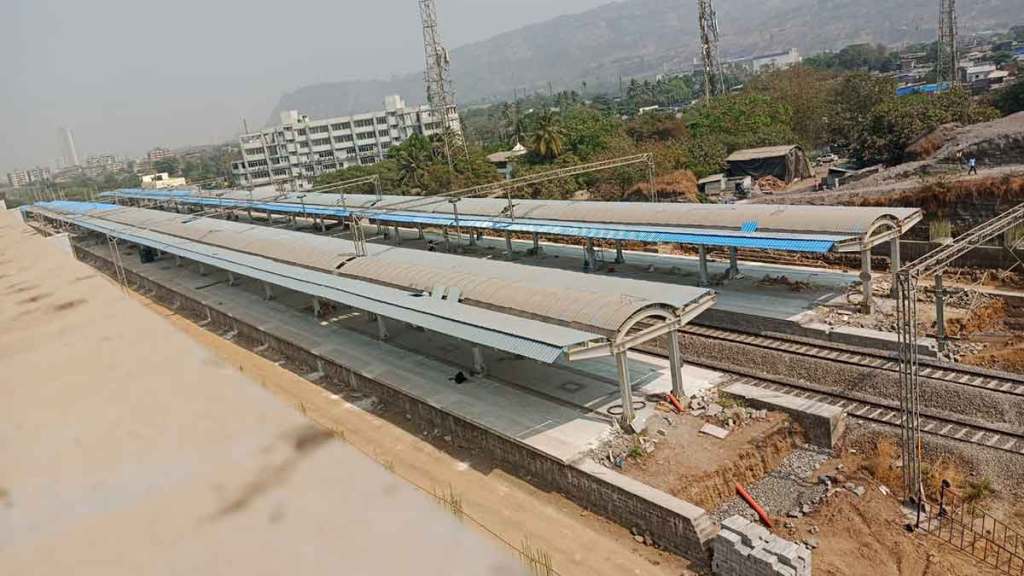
<point>674,524</point>
<point>822,423</point>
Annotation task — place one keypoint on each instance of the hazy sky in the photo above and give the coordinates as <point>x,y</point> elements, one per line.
<point>128,75</point>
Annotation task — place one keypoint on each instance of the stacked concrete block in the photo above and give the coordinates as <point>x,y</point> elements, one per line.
<point>744,548</point>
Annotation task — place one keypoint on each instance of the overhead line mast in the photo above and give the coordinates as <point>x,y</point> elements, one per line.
<point>440,93</point>
<point>714,81</point>
<point>947,55</point>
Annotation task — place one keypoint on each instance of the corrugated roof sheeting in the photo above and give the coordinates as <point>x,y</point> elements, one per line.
<point>522,336</point>
<point>751,238</point>
<point>712,218</point>
<point>304,249</point>
<point>763,152</point>
<point>596,302</point>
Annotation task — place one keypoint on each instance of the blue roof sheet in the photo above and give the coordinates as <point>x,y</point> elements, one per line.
<point>746,239</point>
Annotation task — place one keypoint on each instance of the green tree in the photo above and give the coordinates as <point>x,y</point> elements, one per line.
<point>742,120</point>
<point>169,165</point>
<point>548,137</point>
<point>1011,98</point>
<point>896,123</point>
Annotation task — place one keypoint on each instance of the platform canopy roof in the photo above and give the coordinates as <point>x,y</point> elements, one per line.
<point>802,228</point>
<point>579,309</point>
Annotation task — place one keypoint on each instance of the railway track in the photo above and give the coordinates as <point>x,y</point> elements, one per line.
<point>877,360</point>
<point>879,411</point>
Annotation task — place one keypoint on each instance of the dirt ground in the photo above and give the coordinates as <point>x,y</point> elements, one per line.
<point>674,456</point>
<point>503,513</point>
<point>865,535</point>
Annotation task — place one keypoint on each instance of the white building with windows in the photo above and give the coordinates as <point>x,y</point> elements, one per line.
<point>300,149</point>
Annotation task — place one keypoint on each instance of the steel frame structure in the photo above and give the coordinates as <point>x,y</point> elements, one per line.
<point>714,80</point>
<point>507,186</point>
<point>947,57</point>
<point>933,264</point>
<point>440,93</point>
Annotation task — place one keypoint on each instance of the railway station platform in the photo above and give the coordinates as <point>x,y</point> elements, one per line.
<point>560,410</point>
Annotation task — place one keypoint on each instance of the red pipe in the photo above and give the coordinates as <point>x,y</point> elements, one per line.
<point>753,504</point>
<point>675,402</point>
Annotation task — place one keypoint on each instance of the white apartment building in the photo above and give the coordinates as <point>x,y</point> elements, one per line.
<point>20,178</point>
<point>300,149</point>
<point>774,61</point>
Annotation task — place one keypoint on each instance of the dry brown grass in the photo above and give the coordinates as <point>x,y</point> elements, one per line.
<point>881,463</point>
<point>933,473</point>
<point>678,186</point>
<point>938,198</point>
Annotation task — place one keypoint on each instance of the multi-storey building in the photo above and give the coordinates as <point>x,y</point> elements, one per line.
<point>158,154</point>
<point>20,178</point>
<point>300,149</point>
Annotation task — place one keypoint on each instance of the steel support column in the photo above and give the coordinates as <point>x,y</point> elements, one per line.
<point>536,244</point>
<point>865,279</point>
<point>202,269</point>
<point>231,278</point>
<point>398,237</point>
<point>734,265</point>
<point>626,392</point>
<point>508,244</point>
<point>479,367</point>
<point>894,262</point>
<point>316,307</point>
<point>382,329</point>
<point>675,363</point>
<point>268,292</point>
<point>619,258</point>
<point>940,313</point>
<point>702,266</point>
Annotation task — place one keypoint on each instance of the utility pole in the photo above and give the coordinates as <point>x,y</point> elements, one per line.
<point>947,55</point>
<point>714,81</point>
<point>440,93</point>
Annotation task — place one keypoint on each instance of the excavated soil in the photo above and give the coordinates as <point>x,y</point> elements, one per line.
<point>704,470</point>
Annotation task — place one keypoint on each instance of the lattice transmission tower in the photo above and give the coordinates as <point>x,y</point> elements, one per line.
<point>714,81</point>
<point>947,56</point>
<point>440,93</point>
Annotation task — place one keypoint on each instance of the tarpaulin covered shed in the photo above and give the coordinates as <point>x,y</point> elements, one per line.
<point>787,163</point>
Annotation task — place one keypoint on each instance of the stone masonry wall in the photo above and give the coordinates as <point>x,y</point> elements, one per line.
<point>744,548</point>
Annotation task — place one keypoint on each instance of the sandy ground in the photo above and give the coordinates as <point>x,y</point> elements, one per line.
<point>128,448</point>
<point>133,468</point>
<point>864,536</point>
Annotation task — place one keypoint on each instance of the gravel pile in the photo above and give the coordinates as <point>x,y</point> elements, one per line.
<point>790,488</point>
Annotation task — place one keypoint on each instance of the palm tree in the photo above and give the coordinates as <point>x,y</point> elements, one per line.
<point>412,164</point>
<point>548,138</point>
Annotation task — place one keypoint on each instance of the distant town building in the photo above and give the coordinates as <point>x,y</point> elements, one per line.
<point>787,163</point>
<point>300,149</point>
<point>975,72</point>
<point>98,164</point>
<point>503,160</point>
<point>20,178</point>
<point>158,154</point>
<point>773,61</point>
<point>161,180</point>
<point>69,152</point>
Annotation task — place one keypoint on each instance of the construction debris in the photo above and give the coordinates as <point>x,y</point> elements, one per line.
<point>712,430</point>
<point>782,280</point>
<point>770,185</point>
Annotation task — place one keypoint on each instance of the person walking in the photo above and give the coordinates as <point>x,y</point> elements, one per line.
<point>972,164</point>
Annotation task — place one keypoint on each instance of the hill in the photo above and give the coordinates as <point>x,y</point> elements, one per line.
<point>647,37</point>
